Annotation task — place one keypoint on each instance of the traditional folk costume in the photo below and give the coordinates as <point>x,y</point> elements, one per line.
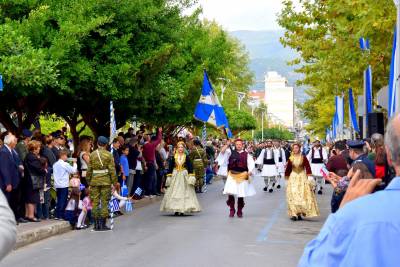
<point>180,197</point>
<point>269,161</point>
<point>280,165</point>
<point>299,191</point>
<point>222,161</point>
<point>240,164</point>
<point>317,157</point>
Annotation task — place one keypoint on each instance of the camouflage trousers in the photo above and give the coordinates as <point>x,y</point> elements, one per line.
<point>100,196</point>
<point>199,174</point>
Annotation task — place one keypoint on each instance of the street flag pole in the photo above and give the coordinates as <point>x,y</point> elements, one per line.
<point>397,61</point>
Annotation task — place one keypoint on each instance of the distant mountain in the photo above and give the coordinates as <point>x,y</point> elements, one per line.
<point>268,54</point>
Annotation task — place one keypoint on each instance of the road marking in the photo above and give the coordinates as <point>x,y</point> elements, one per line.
<point>263,236</point>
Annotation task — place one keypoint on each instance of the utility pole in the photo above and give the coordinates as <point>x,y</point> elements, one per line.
<point>223,86</point>
<point>241,96</point>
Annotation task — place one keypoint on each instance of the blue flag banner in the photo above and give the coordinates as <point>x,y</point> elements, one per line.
<point>394,74</point>
<point>352,112</point>
<point>364,45</point>
<point>1,83</point>
<point>209,109</point>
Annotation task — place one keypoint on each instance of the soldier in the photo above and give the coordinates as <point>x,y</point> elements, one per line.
<point>199,158</point>
<point>101,177</point>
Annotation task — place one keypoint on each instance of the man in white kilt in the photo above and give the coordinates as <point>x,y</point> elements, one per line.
<point>269,161</point>
<point>240,167</point>
<point>317,158</point>
<point>223,160</point>
<point>280,152</point>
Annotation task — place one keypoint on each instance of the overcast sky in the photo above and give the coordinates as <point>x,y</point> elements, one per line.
<point>243,14</point>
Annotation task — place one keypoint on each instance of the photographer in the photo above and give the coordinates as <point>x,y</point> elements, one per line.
<point>366,229</point>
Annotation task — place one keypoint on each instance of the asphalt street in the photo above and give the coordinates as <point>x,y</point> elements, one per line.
<point>263,237</point>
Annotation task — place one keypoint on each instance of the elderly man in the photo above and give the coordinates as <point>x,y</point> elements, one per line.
<point>365,231</point>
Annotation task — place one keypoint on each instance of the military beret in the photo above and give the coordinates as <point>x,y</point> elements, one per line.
<point>102,140</point>
<point>355,143</point>
<point>26,133</point>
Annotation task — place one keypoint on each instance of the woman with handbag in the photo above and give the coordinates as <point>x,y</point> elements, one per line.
<point>180,196</point>
<point>35,172</point>
<point>300,188</point>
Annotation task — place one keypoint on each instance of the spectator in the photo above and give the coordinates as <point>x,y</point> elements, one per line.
<point>85,212</point>
<point>149,155</point>
<point>22,146</point>
<point>74,208</point>
<point>8,230</point>
<point>10,172</point>
<point>84,151</point>
<point>34,177</point>
<point>366,229</point>
<point>125,168</point>
<point>59,144</point>
<point>356,153</point>
<point>62,170</point>
<point>114,151</point>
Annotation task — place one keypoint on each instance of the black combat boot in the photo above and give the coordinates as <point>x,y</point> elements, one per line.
<point>96,225</point>
<point>104,226</point>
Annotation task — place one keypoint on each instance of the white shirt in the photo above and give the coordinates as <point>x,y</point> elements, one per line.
<point>71,205</point>
<point>61,172</point>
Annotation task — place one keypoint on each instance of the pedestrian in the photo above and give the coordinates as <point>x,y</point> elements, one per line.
<point>8,229</point>
<point>357,154</point>
<point>300,195</point>
<point>180,196</point>
<point>117,162</point>
<point>149,155</point>
<point>223,160</point>
<point>62,171</point>
<point>125,168</point>
<point>59,143</point>
<point>74,207</point>
<point>100,177</point>
<point>35,172</point>
<point>10,176</point>
<point>22,146</point>
<point>268,159</point>
<point>85,211</point>
<point>317,157</point>
<point>240,168</point>
<point>199,158</point>
<point>84,150</point>
<point>116,193</point>
<point>365,229</point>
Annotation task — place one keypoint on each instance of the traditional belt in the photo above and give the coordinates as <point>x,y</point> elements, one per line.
<point>100,171</point>
<point>239,176</point>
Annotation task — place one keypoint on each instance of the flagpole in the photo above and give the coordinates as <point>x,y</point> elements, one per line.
<point>397,61</point>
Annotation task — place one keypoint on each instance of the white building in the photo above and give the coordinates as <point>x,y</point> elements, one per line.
<point>279,98</point>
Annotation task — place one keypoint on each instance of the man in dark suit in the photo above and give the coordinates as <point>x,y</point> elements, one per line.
<point>10,167</point>
<point>114,151</point>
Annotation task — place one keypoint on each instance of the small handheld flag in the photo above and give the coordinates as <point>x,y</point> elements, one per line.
<point>113,205</point>
<point>138,191</point>
<point>129,206</point>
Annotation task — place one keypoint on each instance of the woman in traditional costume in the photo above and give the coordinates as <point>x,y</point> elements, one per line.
<point>180,196</point>
<point>300,186</point>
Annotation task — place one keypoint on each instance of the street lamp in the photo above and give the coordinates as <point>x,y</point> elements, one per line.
<point>252,104</point>
<point>241,96</point>
<point>262,122</point>
<point>223,87</point>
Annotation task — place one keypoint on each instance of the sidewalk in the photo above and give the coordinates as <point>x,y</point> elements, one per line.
<point>28,233</point>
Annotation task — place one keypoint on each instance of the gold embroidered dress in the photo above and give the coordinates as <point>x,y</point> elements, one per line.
<point>180,195</point>
<point>299,191</point>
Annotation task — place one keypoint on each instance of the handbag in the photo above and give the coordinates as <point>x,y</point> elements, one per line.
<point>37,182</point>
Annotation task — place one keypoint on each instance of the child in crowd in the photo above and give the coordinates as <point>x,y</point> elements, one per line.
<point>85,212</point>
<point>74,206</point>
<point>125,168</point>
<point>122,200</point>
<point>61,171</point>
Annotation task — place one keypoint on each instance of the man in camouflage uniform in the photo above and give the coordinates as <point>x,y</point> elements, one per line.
<point>101,177</point>
<point>198,157</point>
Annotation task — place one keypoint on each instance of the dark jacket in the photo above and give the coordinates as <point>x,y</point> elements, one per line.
<point>188,165</point>
<point>33,166</point>
<point>49,155</point>
<point>133,157</point>
<point>9,172</point>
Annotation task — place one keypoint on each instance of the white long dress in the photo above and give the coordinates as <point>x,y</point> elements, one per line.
<point>244,188</point>
<point>267,169</point>
<point>316,167</point>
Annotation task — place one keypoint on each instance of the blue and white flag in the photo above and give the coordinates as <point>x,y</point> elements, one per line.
<point>1,83</point>
<point>128,206</point>
<point>113,205</point>
<point>364,45</point>
<point>352,112</point>
<point>113,125</point>
<point>209,109</point>
<point>138,191</point>
<point>394,75</point>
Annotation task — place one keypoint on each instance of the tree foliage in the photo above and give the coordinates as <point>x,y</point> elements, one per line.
<point>326,35</point>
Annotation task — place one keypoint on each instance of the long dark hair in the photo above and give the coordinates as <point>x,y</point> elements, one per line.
<point>380,155</point>
<point>75,192</point>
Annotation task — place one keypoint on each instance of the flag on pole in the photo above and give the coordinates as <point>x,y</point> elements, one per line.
<point>113,125</point>
<point>394,74</point>
<point>352,112</point>
<point>1,83</point>
<point>209,109</point>
<point>204,134</point>
<point>364,45</point>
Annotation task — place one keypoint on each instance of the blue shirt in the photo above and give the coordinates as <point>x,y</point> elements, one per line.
<point>365,232</point>
<point>125,165</point>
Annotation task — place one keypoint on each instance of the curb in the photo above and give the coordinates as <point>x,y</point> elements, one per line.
<point>30,236</point>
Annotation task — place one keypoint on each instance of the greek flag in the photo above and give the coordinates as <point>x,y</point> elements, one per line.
<point>1,83</point>
<point>138,191</point>
<point>209,109</point>
<point>113,205</point>
<point>394,76</point>
<point>364,44</point>
<point>124,189</point>
<point>128,206</point>
<point>113,125</point>
<point>352,112</point>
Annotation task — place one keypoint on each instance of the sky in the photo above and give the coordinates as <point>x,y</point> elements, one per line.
<point>243,14</point>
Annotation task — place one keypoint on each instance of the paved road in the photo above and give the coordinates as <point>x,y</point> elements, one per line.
<point>264,237</point>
